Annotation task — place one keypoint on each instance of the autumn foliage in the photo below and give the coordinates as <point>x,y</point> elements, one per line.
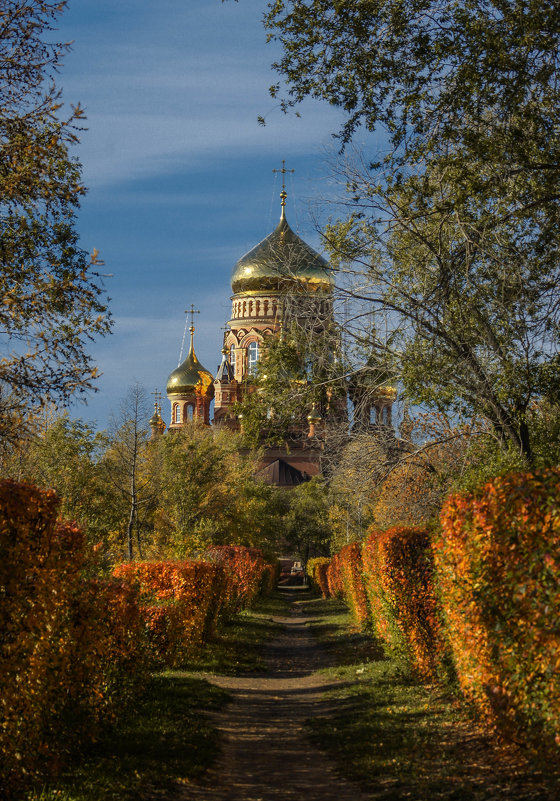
<point>399,582</point>
<point>352,581</point>
<point>179,602</point>
<point>317,573</point>
<point>498,568</point>
<point>71,651</point>
<point>247,573</point>
<point>76,650</point>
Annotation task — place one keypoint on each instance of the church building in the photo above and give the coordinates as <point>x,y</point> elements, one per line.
<point>280,279</point>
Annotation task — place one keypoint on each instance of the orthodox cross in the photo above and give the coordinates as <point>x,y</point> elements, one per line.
<point>283,194</point>
<point>192,311</point>
<point>157,399</point>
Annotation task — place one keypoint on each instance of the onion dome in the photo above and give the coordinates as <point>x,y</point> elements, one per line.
<point>191,377</point>
<point>281,257</point>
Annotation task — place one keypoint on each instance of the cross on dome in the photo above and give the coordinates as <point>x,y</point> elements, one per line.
<point>283,193</point>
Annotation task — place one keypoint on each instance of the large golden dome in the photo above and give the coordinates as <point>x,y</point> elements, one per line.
<point>191,376</point>
<point>280,258</point>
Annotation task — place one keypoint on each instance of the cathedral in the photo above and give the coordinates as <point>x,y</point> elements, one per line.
<point>280,279</point>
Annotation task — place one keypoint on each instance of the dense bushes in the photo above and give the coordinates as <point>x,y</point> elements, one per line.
<point>352,582</point>
<point>483,592</point>
<point>179,601</point>
<point>75,650</point>
<point>71,649</point>
<point>399,582</point>
<point>498,563</point>
<point>317,574</point>
<point>247,574</point>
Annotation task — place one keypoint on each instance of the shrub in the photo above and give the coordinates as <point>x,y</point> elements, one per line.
<point>180,601</point>
<point>248,574</point>
<point>352,582</point>
<point>334,577</point>
<point>69,645</point>
<point>317,572</point>
<point>498,569</point>
<point>398,575</point>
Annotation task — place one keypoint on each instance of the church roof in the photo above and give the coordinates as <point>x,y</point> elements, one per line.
<point>281,257</point>
<point>225,372</point>
<point>281,474</point>
<point>190,376</point>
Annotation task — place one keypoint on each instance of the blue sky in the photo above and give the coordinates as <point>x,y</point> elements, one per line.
<point>179,173</point>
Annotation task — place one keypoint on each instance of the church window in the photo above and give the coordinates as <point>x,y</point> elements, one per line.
<point>232,357</point>
<point>190,411</point>
<point>253,356</point>
<point>176,413</point>
<point>373,415</point>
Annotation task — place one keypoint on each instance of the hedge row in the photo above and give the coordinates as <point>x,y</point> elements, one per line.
<point>317,574</point>
<point>71,647</point>
<point>498,565</point>
<point>183,602</point>
<point>76,650</point>
<point>484,592</point>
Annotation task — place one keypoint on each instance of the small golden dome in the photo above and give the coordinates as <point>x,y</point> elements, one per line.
<point>191,376</point>
<point>281,257</point>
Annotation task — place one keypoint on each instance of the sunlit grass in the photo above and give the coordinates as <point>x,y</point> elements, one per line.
<point>401,739</point>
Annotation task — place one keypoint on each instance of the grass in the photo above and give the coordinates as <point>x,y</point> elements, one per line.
<point>168,740</point>
<point>400,739</point>
<point>237,647</point>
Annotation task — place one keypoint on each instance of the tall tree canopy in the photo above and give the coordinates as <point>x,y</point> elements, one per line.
<point>454,223</point>
<point>52,299</point>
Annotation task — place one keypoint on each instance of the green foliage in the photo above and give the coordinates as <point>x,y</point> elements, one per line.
<point>53,299</point>
<point>453,233</point>
<point>305,524</point>
<point>208,495</point>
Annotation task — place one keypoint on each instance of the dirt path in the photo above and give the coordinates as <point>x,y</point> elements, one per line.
<point>266,754</point>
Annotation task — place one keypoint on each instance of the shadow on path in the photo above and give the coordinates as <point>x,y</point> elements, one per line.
<point>266,755</point>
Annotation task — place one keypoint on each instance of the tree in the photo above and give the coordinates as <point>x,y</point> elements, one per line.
<point>52,297</point>
<point>127,465</point>
<point>452,231</point>
<point>64,455</point>
<point>209,496</point>
<point>305,523</point>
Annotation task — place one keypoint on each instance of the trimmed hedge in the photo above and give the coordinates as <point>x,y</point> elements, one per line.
<point>498,566</point>
<point>351,569</point>
<point>317,573</point>
<point>334,577</point>
<point>399,582</point>
<point>180,602</point>
<point>71,648</point>
<point>248,574</point>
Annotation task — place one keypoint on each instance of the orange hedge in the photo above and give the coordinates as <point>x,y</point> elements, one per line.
<point>180,602</point>
<point>399,580</point>
<point>334,577</point>
<point>498,565</point>
<point>248,573</point>
<point>317,572</point>
<point>69,646</point>
<point>351,569</point>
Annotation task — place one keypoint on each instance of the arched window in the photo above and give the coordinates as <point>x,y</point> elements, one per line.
<point>232,357</point>
<point>253,356</point>
<point>176,413</point>
<point>190,411</point>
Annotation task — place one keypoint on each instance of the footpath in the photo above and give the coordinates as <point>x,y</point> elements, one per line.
<point>266,755</point>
